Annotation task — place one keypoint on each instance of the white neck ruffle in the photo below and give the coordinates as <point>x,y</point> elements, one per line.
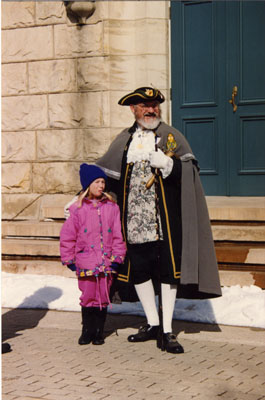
<point>142,144</point>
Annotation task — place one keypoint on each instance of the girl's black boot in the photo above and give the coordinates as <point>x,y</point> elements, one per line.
<point>88,330</point>
<point>100,318</point>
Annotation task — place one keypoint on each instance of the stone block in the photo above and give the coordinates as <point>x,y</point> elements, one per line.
<point>136,71</point>
<point>16,14</point>
<point>18,146</point>
<point>14,79</point>
<point>52,76</point>
<point>120,116</point>
<point>96,143</point>
<point>20,206</point>
<point>113,133</point>
<point>56,177</point>
<point>52,205</point>
<point>16,178</point>
<point>27,44</point>
<point>136,38</point>
<point>50,12</point>
<point>60,145</point>
<point>71,41</point>
<point>166,109</point>
<point>24,112</point>
<point>132,10</point>
<point>93,73</point>
<point>75,110</point>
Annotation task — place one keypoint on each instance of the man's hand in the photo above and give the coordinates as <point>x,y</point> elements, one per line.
<point>159,159</point>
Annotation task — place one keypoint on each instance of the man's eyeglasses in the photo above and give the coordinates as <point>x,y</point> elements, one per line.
<point>148,105</point>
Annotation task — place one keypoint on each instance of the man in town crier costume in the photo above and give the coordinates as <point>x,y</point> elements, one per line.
<point>165,221</point>
<point>164,216</point>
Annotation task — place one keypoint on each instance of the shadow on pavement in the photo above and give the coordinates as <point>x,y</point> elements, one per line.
<point>15,321</point>
<point>186,312</point>
<point>115,322</point>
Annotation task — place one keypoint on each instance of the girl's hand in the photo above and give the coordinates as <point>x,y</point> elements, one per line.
<point>72,267</point>
<point>115,265</point>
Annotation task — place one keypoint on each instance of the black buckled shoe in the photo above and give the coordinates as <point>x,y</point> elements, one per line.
<point>145,333</point>
<point>168,342</point>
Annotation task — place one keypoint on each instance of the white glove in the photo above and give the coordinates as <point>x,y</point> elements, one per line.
<point>158,159</point>
<point>68,205</point>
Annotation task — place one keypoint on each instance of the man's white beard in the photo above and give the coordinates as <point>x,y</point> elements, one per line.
<point>149,125</point>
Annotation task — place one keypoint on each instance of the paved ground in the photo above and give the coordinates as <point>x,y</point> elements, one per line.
<point>220,362</point>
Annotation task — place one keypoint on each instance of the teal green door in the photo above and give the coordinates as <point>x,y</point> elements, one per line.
<point>218,91</point>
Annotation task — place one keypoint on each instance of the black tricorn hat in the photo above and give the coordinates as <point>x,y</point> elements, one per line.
<point>140,95</point>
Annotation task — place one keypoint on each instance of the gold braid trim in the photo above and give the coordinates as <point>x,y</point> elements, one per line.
<point>176,273</point>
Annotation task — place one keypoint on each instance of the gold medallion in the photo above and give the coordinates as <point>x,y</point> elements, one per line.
<point>171,142</point>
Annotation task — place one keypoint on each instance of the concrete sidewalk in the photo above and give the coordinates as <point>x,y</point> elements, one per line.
<point>46,362</point>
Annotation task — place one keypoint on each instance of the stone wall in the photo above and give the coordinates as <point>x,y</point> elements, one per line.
<point>60,86</point>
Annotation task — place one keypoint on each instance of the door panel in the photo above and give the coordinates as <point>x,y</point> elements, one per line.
<point>252,50</point>
<point>204,129</point>
<point>198,62</point>
<point>197,86</point>
<point>216,46</point>
<point>246,126</point>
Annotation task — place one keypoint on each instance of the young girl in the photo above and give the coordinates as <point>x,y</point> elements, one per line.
<point>91,244</point>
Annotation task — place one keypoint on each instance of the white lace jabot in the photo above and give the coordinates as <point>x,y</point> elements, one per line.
<point>142,144</point>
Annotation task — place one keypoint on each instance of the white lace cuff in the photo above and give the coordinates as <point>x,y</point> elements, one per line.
<point>167,170</point>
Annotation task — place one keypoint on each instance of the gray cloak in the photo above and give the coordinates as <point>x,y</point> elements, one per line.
<point>199,270</point>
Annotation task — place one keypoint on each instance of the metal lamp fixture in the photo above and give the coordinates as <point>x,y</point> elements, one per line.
<point>79,11</point>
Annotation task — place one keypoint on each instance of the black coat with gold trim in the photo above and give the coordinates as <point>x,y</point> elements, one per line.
<point>189,252</point>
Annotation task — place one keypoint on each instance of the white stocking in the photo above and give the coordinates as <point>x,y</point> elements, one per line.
<point>146,294</point>
<point>168,294</point>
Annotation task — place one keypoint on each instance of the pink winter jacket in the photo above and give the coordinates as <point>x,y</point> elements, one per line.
<point>91,237</point>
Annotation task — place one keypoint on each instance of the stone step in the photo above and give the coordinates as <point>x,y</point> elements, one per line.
<point>37,267</point>
<point>31,228</point>
<point>242,278</point>
<point>221,208</point>
<point>226,253</point>
<point>52,207</point>
<point>239,232</point>
<point>30,247</point>
<point>243,254</point>
<point>42,267</point>
<point>221,232</point>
